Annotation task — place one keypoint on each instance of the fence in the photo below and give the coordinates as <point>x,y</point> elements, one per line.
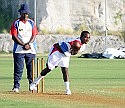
<point>68,16</point>
<point>9,12</point>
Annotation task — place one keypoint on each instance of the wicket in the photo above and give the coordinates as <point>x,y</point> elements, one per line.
<point>39,67</point>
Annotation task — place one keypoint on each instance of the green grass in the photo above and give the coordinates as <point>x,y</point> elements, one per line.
<point>101,77</point>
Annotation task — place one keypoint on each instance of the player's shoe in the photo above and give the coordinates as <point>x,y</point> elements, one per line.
<point>33,85</point>
<point>68,92</point>
<point>33,89</point>
<point>15,90</point>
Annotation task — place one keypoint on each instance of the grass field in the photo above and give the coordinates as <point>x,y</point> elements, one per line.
<point>95,83</point>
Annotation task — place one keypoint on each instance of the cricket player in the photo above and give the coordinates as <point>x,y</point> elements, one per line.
<point>60,55</point>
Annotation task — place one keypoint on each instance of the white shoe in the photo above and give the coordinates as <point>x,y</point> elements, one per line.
<point>68,92</point>
<point>33,86</point>
<point>15,90</point>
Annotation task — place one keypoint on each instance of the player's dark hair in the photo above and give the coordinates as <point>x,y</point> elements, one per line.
<point>84,33</point>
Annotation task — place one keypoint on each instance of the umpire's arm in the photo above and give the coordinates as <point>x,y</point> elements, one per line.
<point>17,40</point>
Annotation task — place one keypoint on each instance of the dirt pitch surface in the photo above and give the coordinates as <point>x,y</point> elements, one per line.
<point>87,98</point>
<point>81,98</point>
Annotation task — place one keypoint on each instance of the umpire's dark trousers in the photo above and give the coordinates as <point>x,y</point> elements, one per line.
<point>19,66</point>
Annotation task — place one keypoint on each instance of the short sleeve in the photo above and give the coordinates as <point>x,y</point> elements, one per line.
<point>13,29</point>
<point>34,31</point>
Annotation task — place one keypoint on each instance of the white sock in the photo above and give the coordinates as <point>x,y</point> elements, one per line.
<point>67,85</point>
<point>37,80</point>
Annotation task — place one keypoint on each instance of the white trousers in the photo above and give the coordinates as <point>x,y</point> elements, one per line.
<point>57,59</point>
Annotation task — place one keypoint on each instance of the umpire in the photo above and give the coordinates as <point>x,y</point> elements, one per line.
<point>23,31</point>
